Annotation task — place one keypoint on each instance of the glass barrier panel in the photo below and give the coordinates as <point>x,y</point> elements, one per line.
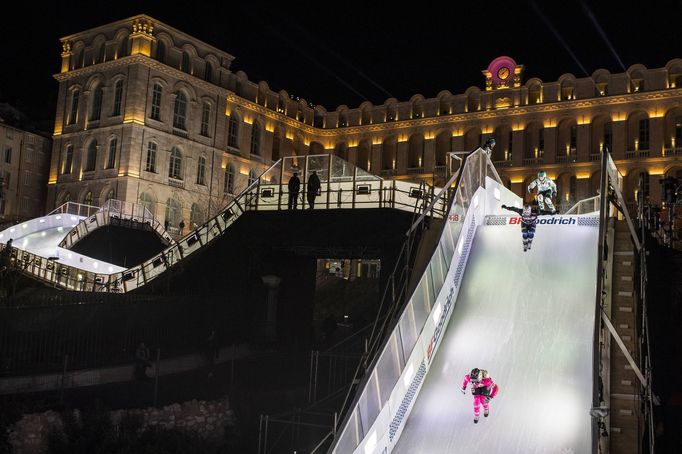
<point>368,404</point>
<point>420,304</point>
<point>408,330</point>
<point>446,241</point>
<point>319,164</point>
<point>342,170</point>
<point>388,369</point>
<point>351,436</point>
<point>432,292</point>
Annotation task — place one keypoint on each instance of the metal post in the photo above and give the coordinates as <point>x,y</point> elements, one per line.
<point>156,376</point>
<point>265,437</point>
<point>63,383</point>
<point>260,432</point>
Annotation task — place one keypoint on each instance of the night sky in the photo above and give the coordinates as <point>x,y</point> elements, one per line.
<point>362,51</point>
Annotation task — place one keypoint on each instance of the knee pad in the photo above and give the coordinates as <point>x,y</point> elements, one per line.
<point>525,235</point>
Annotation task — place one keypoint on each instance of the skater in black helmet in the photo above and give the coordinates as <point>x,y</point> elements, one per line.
<point>529,219</point>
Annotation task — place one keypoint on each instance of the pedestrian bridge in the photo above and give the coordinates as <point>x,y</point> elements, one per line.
<point>41,247</point>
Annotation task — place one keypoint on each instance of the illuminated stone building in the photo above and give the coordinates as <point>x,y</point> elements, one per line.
<point>147,113</point>
<point>24,164</point>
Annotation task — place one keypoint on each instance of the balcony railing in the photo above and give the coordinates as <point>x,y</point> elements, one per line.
<point>636,154</point>
<point>389,172</point>
<point>595,156</point>
<point>503,163</point>
<point>531,161</point>
<point>415,170</point>
<point>673,151</point>
<point>176,183</point>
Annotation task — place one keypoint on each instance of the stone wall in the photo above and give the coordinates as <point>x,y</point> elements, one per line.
<point>207,419</point>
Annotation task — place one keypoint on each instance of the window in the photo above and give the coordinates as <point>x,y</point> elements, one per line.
<point>678,132</point>
<point>123,49</point>
<point>233,131</point>
<point>156,102</point>
<point>97,104</point>
<point>574,137</point>
<point>541,139</point>
<point>87,200</point>
<point>196,216</point>
<point>643,184</point>
<point>27,178</point>
<point>208,72</point>
<point>229,179</point>
<point>161,51</point>
<point>205,116</point>
<point>147,202</point>
<point>150,164</point>
<point>118,96</point>
<point>643,134</point>
<point>91,157</point>
<point>67,197</point>
<point>175,165</point>
<point>80,59</point>
<point>173,212</point>
<point>179,111</point>
<point>111,159</point>
<point>68,160</point>
<point>255,139</point>
<point>185,66</point>
<point>201,171</point>
<point>8,155</point>
<point>73,114</point>
<point>573,188</point>
<point>100,53</point>
<point>608,136</point>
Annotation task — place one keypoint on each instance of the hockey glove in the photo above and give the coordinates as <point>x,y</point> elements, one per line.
<point>487,399</point>
<point>504,206</point>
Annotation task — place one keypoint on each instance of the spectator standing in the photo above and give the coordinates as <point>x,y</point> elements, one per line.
<point>294,187</point>
<point>314,187</point>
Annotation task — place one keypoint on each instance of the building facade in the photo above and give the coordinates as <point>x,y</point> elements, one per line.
<point>149,114</point>
<point>24,166</point>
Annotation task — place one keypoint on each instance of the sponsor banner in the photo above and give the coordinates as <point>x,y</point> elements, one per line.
<point>548,220</point>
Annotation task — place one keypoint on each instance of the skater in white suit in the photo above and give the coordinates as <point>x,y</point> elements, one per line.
<point>546,190</point>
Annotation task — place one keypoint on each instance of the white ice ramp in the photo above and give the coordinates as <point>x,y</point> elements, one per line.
<point>528,318</point>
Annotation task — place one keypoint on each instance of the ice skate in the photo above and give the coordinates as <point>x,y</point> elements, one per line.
<point>476,419</point>
<point>486,412</point>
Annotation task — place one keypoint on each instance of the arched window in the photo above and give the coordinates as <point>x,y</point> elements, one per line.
<point>87,200</point>
<point>233,131</point>
<point>147,202</point>
<point>73,113</point>
<point>111,194</point>
<point>186,66</point>
<point>229,179</point>
<point>253,176</point>
<point>123,49</point>
<point>118,97</point>
<point>156,102</point>
<point>175,164</point>
<point>80,59</point>
<point>150,163</point>
<point>255,139</point>
<point>111,158</point>
<point>276,146</point>
<point>97,104</point>
<point>100,53</point>
<point>173,212</point>
<point>180,111</point>
<point>196,216</point>
<point>68,160</point>
<point>91,157</point>
<point>205,118</point>
<point>208,72</point>
<point>161,51</point>
<point>201,170</point>
<point>643,134</point>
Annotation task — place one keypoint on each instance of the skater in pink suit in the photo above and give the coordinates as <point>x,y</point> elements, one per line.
<point>482,388</point>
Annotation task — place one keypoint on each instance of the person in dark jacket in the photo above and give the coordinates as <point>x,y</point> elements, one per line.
<point>529,219</point>
<point>294,187</point>
<point>314,187</point>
